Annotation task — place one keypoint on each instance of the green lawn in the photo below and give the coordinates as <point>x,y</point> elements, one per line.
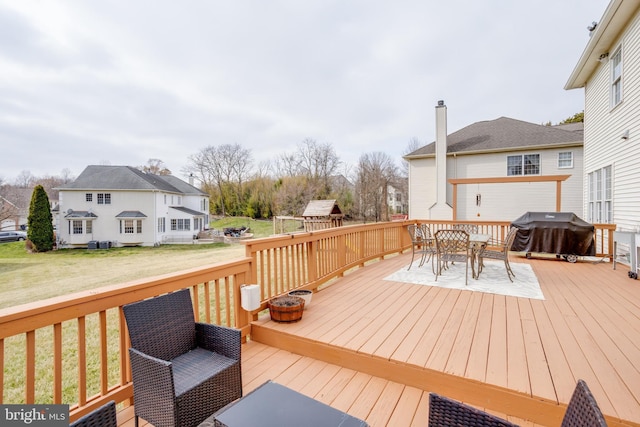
<point>27,277</point>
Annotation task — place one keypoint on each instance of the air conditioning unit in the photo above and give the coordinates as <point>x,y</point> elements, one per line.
<point>105,244</point>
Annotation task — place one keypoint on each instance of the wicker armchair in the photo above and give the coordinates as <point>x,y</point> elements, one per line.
<point>501,254</point>
<point>582,411</point>
<point>104,416</point>
<point>182,371</point>
<point>422,243</point>
<point>451,246</point>
<point>444,412</point>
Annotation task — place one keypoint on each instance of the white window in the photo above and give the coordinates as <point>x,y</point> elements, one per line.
<point>130,226</point>
<point>527,164</point>
<point>104,198</point>
<point>600,196</point>
<point>88,197</point>
<point>616,77</point>
<point>77,226</point>
<point>565,160</point>
<point>180,224</point>
<point>161,225</point>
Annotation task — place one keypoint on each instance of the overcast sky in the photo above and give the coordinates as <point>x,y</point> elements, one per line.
<point>120,82</point>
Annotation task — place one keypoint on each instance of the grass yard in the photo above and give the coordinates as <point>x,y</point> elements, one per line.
<point>27,277</point>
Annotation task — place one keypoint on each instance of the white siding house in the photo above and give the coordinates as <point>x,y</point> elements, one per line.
<point>609,72</point>
<point>496,171</point>
<point>127,207</point>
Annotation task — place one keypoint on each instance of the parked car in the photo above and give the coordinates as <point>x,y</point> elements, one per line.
<point>12,236</point>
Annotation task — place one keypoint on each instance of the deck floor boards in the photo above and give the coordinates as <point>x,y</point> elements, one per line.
<point>587,327</point>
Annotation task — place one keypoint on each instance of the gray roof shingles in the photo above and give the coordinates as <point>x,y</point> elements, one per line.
<point>106,177</point>
<point>504,134</point>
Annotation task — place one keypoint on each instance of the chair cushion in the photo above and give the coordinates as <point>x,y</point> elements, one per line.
<point>194,367</point>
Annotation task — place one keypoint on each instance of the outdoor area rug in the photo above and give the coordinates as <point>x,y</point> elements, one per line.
<point>493,279</point>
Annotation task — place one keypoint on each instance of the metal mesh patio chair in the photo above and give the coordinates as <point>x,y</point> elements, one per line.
<point>452,246</point>
<point>469,228</point>
<point>182,371</point>
<point>583,409</point>
<point>445,412</point>
<point>422,243</point>
<point>501,254</point>
<point>104,416</point>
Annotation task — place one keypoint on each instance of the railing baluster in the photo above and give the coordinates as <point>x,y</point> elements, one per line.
<point>82,361</point>
<point>218,314</point>
<point>207,303</point>
<point>57,363</point>
<point>1,371</point>
<point>196,302</point>
<point>227,301</point>
<point>104,358</point>
<point>30,382</point>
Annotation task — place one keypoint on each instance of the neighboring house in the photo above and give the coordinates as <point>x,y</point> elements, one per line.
<point>14,208</point>
<point>608,70</point>
<point>128,207</point>
<point>10,215</point>
<point>496,170</point>
<point>396,199</point>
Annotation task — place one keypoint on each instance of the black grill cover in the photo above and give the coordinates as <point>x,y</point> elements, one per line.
<point>554,233</point>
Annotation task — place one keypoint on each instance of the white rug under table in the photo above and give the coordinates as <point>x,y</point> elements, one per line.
<point>493,279</point>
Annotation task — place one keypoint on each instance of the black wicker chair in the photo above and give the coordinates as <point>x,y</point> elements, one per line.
<point>583,409</point>
<point>422,243</point>
<point>182,371</point>
<point>104,416</point>
<point>445,412</point>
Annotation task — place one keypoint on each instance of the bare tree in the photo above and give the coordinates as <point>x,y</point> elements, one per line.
<point>287,164</point>
<point>318,162</point>
<point>223,167</point>
<point>156,167</point>
<point>292,195</point>
<point>25,179</point>
<point>375,172</point>
<point>66,176</point>
<point>413,144</point>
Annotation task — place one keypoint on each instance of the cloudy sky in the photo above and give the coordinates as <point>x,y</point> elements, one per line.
<point>119,82</point>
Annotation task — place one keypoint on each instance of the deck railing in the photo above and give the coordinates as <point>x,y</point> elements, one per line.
<point>73,349</point>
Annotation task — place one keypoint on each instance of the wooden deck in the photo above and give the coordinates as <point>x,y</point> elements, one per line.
<point>375,348</point>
